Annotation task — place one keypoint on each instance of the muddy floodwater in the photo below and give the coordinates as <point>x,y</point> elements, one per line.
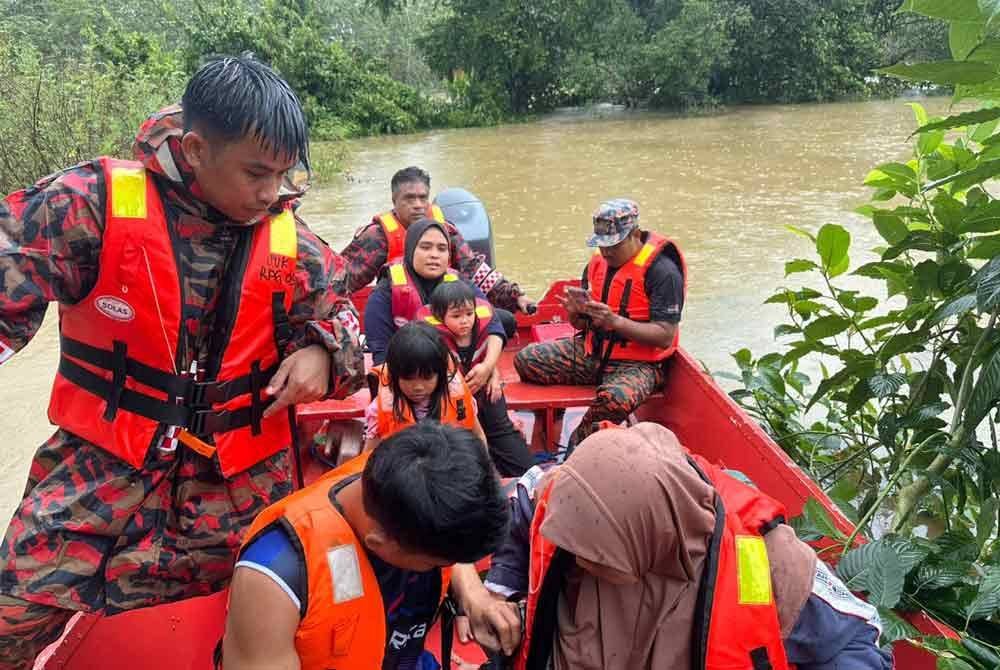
<point>724,187</point>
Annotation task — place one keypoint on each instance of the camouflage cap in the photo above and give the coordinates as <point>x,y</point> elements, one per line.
<point>613,221</point>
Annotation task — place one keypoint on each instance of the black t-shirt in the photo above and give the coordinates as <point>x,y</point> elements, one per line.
<point>664,288</point>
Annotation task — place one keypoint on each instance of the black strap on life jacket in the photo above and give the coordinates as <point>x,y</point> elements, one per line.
<point>546,611</point>
<point>610,340</point>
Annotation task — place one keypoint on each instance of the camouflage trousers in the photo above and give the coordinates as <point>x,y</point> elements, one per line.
<point>625,385</point>
<point>95,534</point>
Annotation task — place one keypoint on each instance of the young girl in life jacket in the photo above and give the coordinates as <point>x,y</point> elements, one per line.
<point>464,322</point>
<point>418,381</point>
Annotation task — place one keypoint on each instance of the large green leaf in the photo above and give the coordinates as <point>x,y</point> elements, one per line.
<point>902,343</point>
<point>891,227</point>
<point>990,9</point>
<point>826,326</point>
<point>988,286</point>
<point>987,598</point>
<point>944,72</point>
<point>886,577</point>
<point>985,248</point>
<point>958,307</point>
<point>832,243</point>
<point>988,51</point>
<point>951,10</point>
<point>884,385</point>
<point>960,120</point>
<point>963,37</point>
<point>963,180</point>
<point>985,392</point>
<point>987,521</point>
<point>984,219</point>
<point>894,627</point>
<point>799,265</point>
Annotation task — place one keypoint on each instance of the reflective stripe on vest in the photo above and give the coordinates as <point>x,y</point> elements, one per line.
<point>343,623</point>
<point>118,380</point>
<point>626,295</point>
<point>457,409</point>
<point>406,300</point>
<point>735,592</point>
<point>395,233</point>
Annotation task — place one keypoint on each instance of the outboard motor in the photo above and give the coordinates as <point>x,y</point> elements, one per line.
<point>469,215</point>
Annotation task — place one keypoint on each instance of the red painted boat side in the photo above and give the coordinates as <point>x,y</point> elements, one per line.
<point>183,635</point>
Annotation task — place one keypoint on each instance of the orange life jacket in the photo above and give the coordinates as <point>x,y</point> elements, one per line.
<point>484,315</point>
<point>456,410</point>
<point>406,298</point>
<point>626,295</point>
<point>736,620</point>
<point>119,384</point>
<point>343,622</point>
<point>395,233</point>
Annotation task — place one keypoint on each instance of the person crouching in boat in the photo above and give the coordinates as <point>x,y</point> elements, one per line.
<point>464,323</point>
<point>635,555</point>
<point>350,571</point>
<point>628,311</point>
<point>398,298</point>
<point>419,380</point>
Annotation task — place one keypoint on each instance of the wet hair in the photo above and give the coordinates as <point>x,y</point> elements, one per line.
<point>418,350</point>
<point>233,97</point>
<point>450,294</point>
<point>408,175</point>
<point>431,487</point>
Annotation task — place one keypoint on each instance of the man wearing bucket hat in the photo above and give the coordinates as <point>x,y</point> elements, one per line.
<point>627,310</point>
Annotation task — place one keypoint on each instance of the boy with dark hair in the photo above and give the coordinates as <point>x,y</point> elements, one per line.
<point>194,314</point>
<point>352,569</point>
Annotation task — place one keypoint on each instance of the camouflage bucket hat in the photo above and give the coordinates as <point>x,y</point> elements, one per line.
<point>613,221</point>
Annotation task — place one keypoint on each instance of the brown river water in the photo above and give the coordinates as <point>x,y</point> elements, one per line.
<point>724,187</point>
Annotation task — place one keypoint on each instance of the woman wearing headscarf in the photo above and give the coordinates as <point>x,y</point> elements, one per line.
<point>625,565</point>
<point>401,291</point>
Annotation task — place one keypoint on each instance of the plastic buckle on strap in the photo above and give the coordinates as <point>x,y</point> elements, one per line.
<point>206,421</point>
<point>205,394</point>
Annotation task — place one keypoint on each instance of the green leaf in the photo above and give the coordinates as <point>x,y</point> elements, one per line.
<point>959,120</point>
<point>902,343</point>
<point>941,575</point>
<point>886,578</point>
<point>820,519</point>
<point>958,307</point>
<point>826,326</point>
<point>990,9</point>
<point>988,51</point>
<point>985,248</point>
<point>988,286</point>
<point>985,392</point>
<point>986,522</point>
<point>985,219</point>
<point>963,37</point>
<point>832,243</point>
<point>891,227</point>
<point>894,627</point>
<point>884,385</point>
<point>799,265</point>
<point>987,598</point>
<point>801,233</point>
<point>951,10</point>
<point>944,72</point>
<point>919,113</point>
<point>786,329</point>
<point>963,180</point>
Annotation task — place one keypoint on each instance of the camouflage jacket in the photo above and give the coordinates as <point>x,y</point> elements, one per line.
<point>368,251</point>
<point>50,247</point>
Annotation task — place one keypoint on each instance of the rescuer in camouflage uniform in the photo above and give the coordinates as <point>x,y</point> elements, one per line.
<point>94,533</point>
<point>622,344</point>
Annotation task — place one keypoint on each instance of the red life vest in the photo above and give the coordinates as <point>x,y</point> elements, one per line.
<point>406,298</point>
<point>395,233</point>
<point>736,618</point>
<point>626,295</point>
<point>456,410</point>
<point>118,383</point>
<point>484,315</point>
<point>343,625</point>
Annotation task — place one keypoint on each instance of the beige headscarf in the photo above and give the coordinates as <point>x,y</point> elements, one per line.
<point>629,500</point>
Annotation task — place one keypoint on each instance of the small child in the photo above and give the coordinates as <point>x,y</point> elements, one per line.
<point>464,323</point>
<point>418,381</point>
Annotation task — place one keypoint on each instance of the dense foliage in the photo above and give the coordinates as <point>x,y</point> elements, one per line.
<point>890,400</point>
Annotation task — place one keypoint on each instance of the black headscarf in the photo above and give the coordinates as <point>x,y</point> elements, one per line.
<point>413,235</point>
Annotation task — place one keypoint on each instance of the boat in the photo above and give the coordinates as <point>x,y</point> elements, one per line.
<point>184,635</point>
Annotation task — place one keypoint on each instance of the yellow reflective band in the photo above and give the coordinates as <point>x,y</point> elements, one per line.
<point>284,240</point>
<point>128,193</point>
<point>391,224</point>
<point>437,214</point>
<point>397,274</point>
<point>483,312</point>
<point>753,571</point>
<point>433,320</point>
<point>449,277</point>
<point>643,256</point>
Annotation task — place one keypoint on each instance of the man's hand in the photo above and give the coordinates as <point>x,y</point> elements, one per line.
<point>573,307</point>
<point>478,377</point>
<point>526,304</point>
<point>492,622</point>
<point>601,316</point>
<point>302,377</point>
